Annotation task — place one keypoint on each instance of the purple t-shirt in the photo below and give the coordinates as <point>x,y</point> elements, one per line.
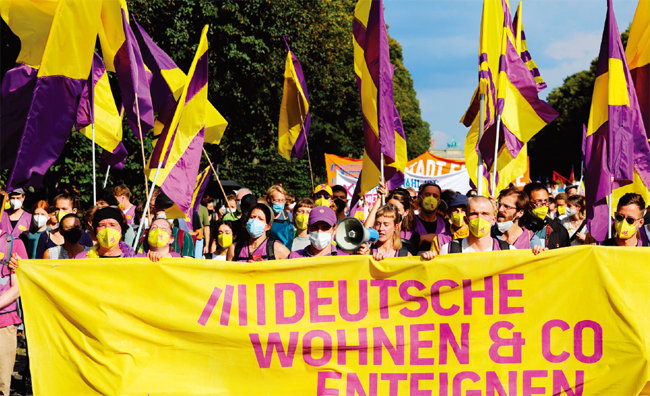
<point>127,251</point>
<point>307,253</point>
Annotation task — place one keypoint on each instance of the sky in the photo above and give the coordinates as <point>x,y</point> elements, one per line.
<point>440,47</point>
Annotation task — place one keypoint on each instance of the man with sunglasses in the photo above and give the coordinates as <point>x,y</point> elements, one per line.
<point>322,195</point>
<point>629,220</point>
<point>549,233</point>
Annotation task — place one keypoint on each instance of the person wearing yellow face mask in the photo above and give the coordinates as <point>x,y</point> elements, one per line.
<point>109,224</point>
<point>548,233</point>
<point>300,221</point>
<point>628,221</point>
<point>456,213</point>
<point>159,238</point>
<point>223,239</point>
<point>431,227</point>
<point>480,218</point>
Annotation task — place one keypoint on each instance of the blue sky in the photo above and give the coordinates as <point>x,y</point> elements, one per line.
<point>440,44</point>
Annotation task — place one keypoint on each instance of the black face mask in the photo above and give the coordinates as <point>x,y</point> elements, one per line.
<point>340,204</point>
<point>72,235</point>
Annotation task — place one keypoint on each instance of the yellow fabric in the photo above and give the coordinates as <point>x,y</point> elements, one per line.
<point>520,43</point>
<point>108,122</point>
<point>293,110</point>
<point>31,21</point>
<point>69,51</point>
<point>638,43</point>
<point>610,88</point>
<point>637,186</point>
<point>134,327</point>
<point>111,31</point>
<point>188,120</point>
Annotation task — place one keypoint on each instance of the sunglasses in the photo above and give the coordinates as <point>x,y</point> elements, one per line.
<point>322,195</point>
<point>629,219</point>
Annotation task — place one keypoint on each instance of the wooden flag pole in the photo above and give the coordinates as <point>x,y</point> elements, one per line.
<point>302,130</point>
<point>94,166</point>
<point>218,181</point>
<point>479,176</point>
<point>144,160</point>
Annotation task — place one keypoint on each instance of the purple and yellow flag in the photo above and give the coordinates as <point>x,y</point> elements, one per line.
<point>638,58</point>
<point>122,55</point>
<point>295,119</point>
<point>178,148</point>
<point>167,85</point>
<point>64,68</point>
<point>202,181</point>
<point>522,48</point>
<point>617,150</point>
<point>515,99</point>
<point>97,106</point>
<point>382,126</point>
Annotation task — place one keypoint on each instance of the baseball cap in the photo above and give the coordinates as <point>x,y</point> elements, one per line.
<point>323,187</point>
<point>322,213</point>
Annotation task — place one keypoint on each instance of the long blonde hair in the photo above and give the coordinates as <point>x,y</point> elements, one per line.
<point>390,211</point>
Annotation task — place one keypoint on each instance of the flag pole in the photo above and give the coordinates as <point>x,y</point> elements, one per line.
<point>108,169</point>
<point>493,178</point>
<point>218,181</point>
<point>383,180</point>
<point>146,205</point>
<point>94,165</point>
<point>609,208</point>
<point>302,130</point>
<point>479,176</point>
<point>144,161</point>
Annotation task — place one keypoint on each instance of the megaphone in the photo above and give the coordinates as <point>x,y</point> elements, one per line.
<point>351,234</point>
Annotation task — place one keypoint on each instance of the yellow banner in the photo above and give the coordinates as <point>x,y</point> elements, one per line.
<point>572,321</point>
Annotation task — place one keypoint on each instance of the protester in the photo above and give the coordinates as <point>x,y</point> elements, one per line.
<point>552,209</point>
<point>340,199</point>
<point>40,219</point>
<point>246,203</point>
<point>431,227</point>
<point>301,221</point>
<point>322,195</point>
<point>258,246</point>
<point>400,199</point>
<point>16,220</point>
<point>575,220</point>
<point>70,229</point>
<point>159,241</point>
<point>223,240</point>
<point>456,213</point>
<point>202,225</point>
<point>512,205</point>
<point>560,206</point>
<point>549,233</point>
<point>64,204</point>
<point>230,210</point>
<point>571,191</point>
<point>282,229</point>
<point>387,223</point>
<point>123,196</point>
<point>480,217</point>
<point>322,227</point>
<point>629,220</point>
<point>183,243</point>
<point>11,248</point>
<point>109,225</point>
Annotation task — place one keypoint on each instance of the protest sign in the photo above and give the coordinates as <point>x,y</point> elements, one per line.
<point>574,320</point>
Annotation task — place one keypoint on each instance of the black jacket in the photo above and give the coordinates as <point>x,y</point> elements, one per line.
<point>556,235</point>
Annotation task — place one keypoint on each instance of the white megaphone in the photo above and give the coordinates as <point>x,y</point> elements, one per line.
<point>351,234</point>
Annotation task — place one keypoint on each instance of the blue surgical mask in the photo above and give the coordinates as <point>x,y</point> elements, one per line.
<point>278,207</point>
<point>255,227</point>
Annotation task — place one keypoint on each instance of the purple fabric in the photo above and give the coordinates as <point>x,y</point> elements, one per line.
<point>180,182</point>
<point>298,149</point>
<point>444,236</point>
<point>127,251</point>
<point>525,56</point>
<point>23,224</point>
<point>85,111</point>
<point>133,79</point>
<point>17,92</point>
<point>52,115</point>
<point>619,146</point>
<point>641,78</point>
<point>244,255</point>
<point>116,158</point>
<point>523,241</point>
<point>203,178</point>
<point>200,77</point>
<point>303,253</point>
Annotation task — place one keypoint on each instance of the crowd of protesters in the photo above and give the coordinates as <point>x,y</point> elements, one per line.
<point>247,228</point>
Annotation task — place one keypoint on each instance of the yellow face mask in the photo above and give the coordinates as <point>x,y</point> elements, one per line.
<point>430,203</point>
<point>323,202</point>
<point>7,205</point>
<point>158,238</point>
<point>108,237</point>
<point>458,219</point>
<point>301,221</point>
<point>462,232</point>
<point>561,209</point>
<point>479,227</point>
<point>624,230</point>
<point>60,214</point>
<point>541,212</point>
<point>224,240</point>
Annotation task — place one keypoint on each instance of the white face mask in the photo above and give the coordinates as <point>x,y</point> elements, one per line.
<point>320,240</point>
<point>162,215</point>
<point>292,205</point>
<point>570,212</point>
<point>15,204</point>
<point>39,220</point>
<point>504,226</point>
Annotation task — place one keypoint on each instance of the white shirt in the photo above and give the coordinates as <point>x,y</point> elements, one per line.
<point>466,249</point>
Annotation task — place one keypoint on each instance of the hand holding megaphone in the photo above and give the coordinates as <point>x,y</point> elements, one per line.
<point>351,234</point>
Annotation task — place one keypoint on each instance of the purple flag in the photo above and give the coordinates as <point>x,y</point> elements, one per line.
<point>616,144</point>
